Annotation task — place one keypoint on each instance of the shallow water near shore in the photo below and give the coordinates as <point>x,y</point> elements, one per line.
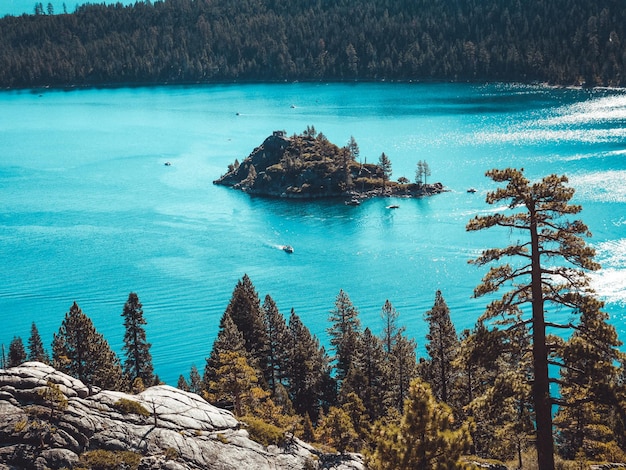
<point>90,212</point>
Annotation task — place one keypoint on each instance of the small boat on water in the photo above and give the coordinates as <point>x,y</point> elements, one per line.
<point>393,206</point>
<point>168,163</point>
<point>471,190</point>
<point>288,248</point>
<point>353,202</point>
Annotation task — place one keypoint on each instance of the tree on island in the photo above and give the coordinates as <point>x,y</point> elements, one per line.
<point>535,277</point>
<point>385,165</point>
<point>138,363</point>
<point>422,172</point>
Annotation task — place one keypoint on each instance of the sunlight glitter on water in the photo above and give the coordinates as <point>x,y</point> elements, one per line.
<point>601,186</point>
<point>610,281</point>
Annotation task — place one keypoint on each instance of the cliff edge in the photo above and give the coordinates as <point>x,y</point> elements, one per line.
<point>51,420</point>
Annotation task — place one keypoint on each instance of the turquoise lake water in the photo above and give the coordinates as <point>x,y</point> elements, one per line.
<point>89,212</point>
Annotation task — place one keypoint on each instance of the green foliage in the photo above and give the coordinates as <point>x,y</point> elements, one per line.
<point>565,42</point>
<point>17,353</point>
<point>442,347</point>
<point>345,334</point>
<point>424,438</point>
<point>536,279</point>
<point>52,395</point>
<point>127,406</point>
<point>262,432</point>
<point>336,430</point>
<point>138,362</point>
<point>110,460</point>
<point>80,351</point>
<point>36,350</point>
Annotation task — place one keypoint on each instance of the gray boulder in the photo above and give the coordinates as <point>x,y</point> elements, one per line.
<point>160,428</point>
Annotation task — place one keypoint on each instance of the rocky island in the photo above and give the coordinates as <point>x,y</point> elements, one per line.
<point>309,166</point>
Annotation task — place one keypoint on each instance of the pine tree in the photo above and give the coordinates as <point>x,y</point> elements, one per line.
<point>36,350</point>
<point>17,353</point>
<point>236,384</point>
<point>138,362</point>
<point>344,333</point>
<point>424,439</point>
<point>182,383</point>
<point>277,336</point>
<point>229,339</point>
<point>587,384</point>
<point>368,377</point>
<point>385,166</point>
<point>401,363</point>
<point>309,383</point>
<point>442,346</point>
<point>337,430</point>
<point>389,316</point>
<point>195,380</point>
<point>536,278</point>
<point>245,311</point>
<point>80,351</point>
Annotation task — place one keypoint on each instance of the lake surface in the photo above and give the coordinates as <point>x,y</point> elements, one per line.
<point>21,7</point>
<point>89,212</point>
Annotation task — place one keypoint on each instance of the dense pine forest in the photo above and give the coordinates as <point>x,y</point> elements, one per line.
<point>483,393</point>
<point>565,42</point>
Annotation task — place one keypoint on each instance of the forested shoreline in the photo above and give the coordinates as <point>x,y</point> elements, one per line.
<point>563,42</point>
<point>486,392</point>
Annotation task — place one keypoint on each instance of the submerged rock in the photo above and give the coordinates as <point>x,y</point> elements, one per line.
<point>160,428</point>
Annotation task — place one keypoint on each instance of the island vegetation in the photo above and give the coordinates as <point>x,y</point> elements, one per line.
<point>310,166</point>
<point>562,42</point>
<point>483,393</point>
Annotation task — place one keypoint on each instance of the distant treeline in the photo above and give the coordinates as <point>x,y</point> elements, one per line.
<point>567,42</point>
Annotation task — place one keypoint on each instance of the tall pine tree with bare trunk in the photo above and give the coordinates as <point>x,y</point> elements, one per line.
<point>548,269</point>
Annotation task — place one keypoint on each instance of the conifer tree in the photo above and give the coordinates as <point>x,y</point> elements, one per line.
<point>138,362</point>
<point>442,346</point>
<point>229,339</point>
<point>17,353</point>
<point>310,385</point>
<point>236,384</point>
<point>80,351</point>
<point>345,334</point>
<point>245,311</point>
<point>337,430</point>
<point>368,377</point>
<point>536,278</point>
<point>589,378</point>
<point>424,439</point>
<point>182,383</point>
<point>403,365</point>
<point>401,362</point>
<point>277,336</point>
<point>36,350</point>
<point>195,380</point>
<point>385,166</point>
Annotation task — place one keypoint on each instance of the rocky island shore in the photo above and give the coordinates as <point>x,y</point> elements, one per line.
<point>309,166</point>
<point>49,420</point>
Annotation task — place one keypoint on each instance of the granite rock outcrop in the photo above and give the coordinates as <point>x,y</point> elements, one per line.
<point>159,428</point>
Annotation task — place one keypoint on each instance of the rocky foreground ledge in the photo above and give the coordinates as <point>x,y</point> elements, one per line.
<point>51,420</point>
